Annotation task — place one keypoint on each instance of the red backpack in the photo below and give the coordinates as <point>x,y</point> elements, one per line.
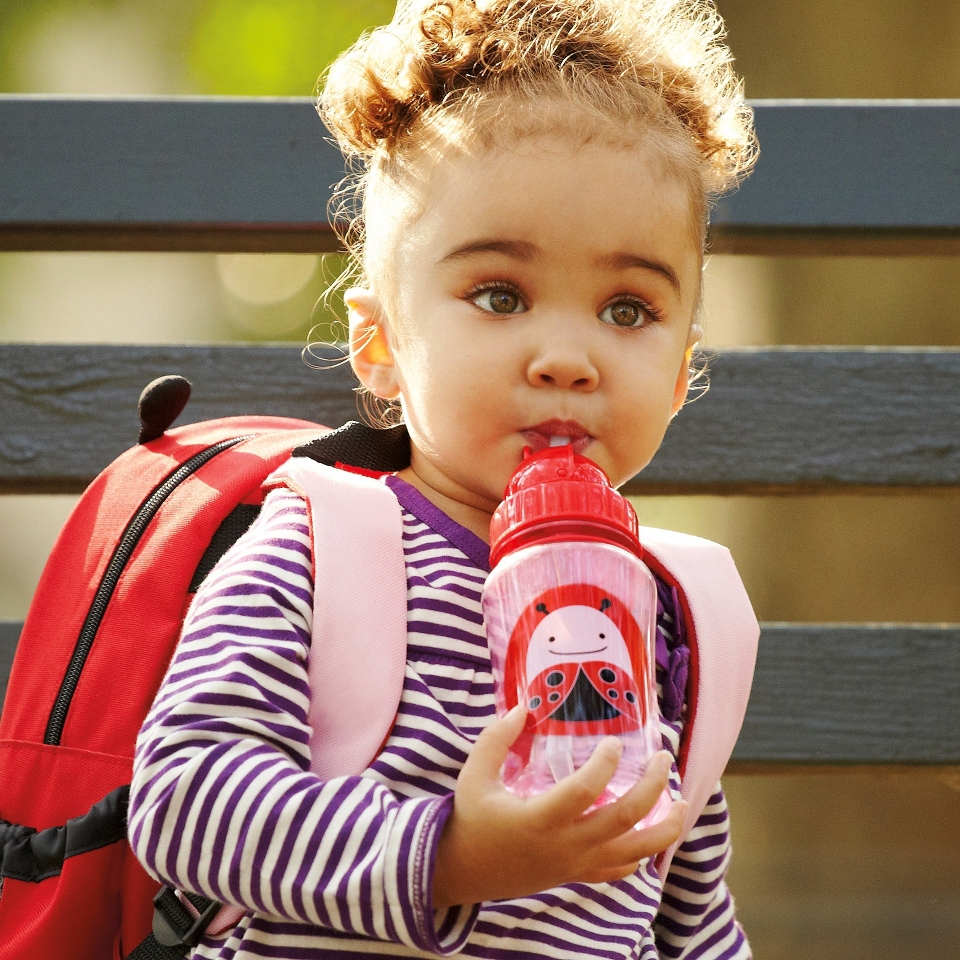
<point>97,641</point>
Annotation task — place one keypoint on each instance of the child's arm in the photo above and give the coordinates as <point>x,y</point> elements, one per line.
<point>697,919</point>
<point>223,802</point>
<point>497,846</point>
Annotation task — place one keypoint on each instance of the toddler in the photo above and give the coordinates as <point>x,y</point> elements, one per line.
<point>530,238</point>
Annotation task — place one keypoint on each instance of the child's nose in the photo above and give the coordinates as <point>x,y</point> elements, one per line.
<point>563,365</point>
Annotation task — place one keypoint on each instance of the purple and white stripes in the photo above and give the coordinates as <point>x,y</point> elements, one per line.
<point>223,802</point>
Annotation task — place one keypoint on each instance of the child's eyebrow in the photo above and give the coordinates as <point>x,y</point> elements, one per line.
<point>625,261</point>
<point>516,249</point>
<point>525,251</point>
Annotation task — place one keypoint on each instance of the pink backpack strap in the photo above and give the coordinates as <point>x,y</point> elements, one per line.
<point>358,653</point>
<point>722,632</point>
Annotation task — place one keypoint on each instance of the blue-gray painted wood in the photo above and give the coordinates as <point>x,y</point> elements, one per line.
<point>71,409</point>
<point>794,420</point>
<point>234,174</point>
<point>9,634</point>
<point>773,420</point>
<point>839,694</point>
<point>827,695</point>
<point>842,167</point>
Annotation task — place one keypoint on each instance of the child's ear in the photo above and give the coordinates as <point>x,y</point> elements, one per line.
<point>683,377</point>
<point>370,353</point>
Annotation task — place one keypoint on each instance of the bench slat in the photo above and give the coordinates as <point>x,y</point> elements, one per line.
<point>189,173</point>
<point>848,176</point>
<point>854,694</point>
<point>9,634</point>
<point>195,173</point>
<point>827,695</point>
<point>774,420</point>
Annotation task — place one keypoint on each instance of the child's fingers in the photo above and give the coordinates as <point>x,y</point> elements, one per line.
<point>622,856</point>
<point>490,748</point>
<point>636,845</point>
<point>617,818</point>
<point>565,802</point>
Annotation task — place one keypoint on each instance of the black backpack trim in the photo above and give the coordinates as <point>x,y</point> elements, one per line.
<point>361,446</point>
<point>234,526</point>
<point>34,855</point>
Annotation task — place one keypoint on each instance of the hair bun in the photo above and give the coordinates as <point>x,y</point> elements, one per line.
<point>440,56</point>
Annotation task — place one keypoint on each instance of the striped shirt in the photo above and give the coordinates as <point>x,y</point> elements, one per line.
<point>223,802</point>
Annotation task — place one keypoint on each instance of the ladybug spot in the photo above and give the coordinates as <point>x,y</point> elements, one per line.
<point>607,675</point>
<point>554,678</point>
<point>553,697</point>
<point>535,702</point>
<point>631,698</point>
<point>612,694</point>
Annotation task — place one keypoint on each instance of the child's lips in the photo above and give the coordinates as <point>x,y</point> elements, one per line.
<point>554,432</point>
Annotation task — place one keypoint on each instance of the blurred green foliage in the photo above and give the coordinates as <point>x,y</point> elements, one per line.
<point>227,47</point>
<point>16,17</point>
<point>313,314</point>
<point>274,47</point>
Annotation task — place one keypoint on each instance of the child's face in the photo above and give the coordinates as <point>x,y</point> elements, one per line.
<point>543,292</point>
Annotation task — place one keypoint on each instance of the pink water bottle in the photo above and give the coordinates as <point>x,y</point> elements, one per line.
<point>570,615</point>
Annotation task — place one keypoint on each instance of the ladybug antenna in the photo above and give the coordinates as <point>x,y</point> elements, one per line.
<point>604,603</point>
<point>542,608</point>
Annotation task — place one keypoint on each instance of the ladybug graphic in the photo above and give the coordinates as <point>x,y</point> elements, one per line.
<point>574,658</point>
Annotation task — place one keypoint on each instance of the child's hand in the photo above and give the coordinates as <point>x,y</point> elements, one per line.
<point>497,846</point>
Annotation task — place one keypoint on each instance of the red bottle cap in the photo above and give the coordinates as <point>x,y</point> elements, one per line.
<point>556,495</point>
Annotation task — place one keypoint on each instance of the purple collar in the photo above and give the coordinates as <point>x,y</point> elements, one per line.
<point>412,500</point>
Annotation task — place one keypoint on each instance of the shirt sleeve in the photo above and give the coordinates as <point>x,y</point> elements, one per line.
<point>223,802</point>
<point>696,917</point>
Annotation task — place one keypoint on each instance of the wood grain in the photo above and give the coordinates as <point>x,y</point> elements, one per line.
<point>827,697</point>
<point>773,421</point>
<point>836,694</point>
<point>231,174</point>
<point>9,634</point>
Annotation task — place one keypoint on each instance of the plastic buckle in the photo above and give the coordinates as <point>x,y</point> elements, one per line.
<point>174,923</point>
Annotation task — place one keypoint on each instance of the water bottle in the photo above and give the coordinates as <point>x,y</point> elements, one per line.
<point>570,616</point>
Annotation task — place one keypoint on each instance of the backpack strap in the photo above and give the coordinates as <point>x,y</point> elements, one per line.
<point>358,654</point>
<point>722,632</point>
<point>358,651</point>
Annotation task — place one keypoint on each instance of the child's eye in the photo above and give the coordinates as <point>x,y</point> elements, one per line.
<point>498,300</point>
<point>628,313</point>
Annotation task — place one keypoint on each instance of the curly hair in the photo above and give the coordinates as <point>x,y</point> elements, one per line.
<point>445,64</point>
<point>628,59</point>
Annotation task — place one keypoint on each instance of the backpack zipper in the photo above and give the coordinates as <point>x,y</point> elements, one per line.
<point>118,562</point>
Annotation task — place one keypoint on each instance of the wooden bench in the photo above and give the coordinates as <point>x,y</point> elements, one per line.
<point>252,175</point>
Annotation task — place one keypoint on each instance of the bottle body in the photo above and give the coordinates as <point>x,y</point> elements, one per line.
<point>571,627</point>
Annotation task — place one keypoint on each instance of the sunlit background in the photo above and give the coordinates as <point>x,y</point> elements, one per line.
<point>849,866</point>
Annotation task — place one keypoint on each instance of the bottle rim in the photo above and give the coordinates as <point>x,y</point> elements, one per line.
<point>542,530</point>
